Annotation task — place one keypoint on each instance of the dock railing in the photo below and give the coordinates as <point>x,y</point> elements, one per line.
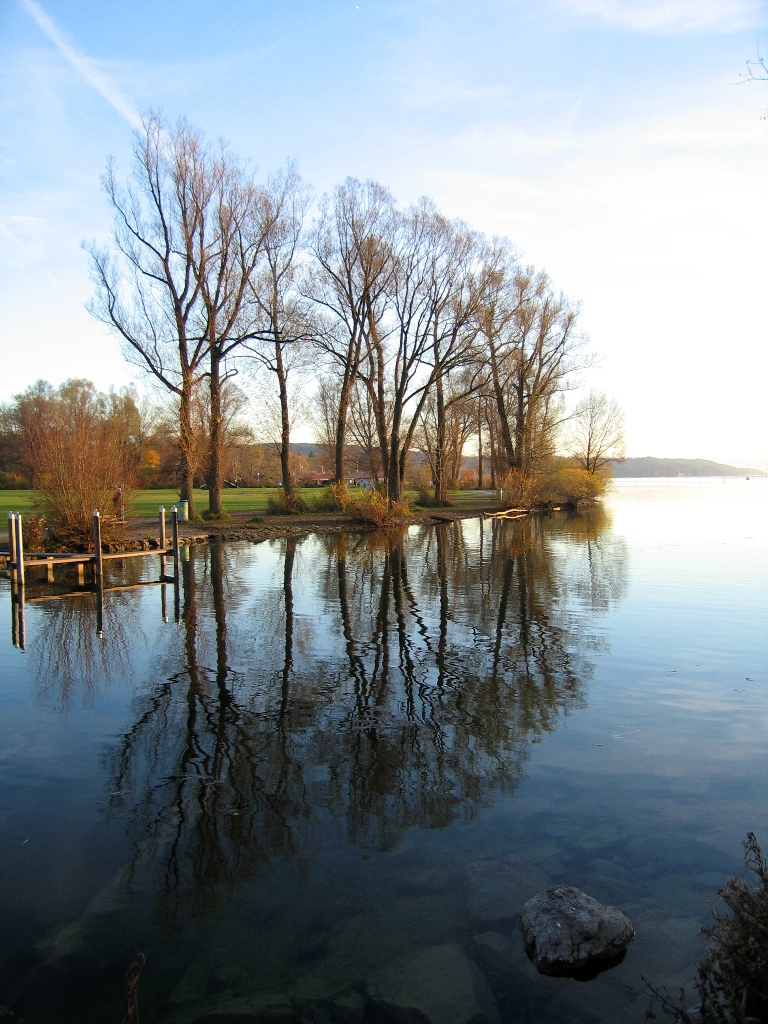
<point>19,562</point>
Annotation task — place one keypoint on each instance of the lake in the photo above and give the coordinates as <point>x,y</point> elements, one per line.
<point>354,757</point>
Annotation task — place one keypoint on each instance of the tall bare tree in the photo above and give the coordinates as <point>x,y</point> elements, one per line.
<point>363,430</point>
<point>596,432</point>
<point>240,217</point>
<point>351,244</point>
<point>457,373</point>
<point>533,347</point>
<point>283,317</point>
<point>148,290</point>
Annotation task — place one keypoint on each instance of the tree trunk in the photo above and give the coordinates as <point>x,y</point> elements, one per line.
<point>341,427</point>
<point>285,423</point>
<point>393,476</point>
<point>506,435</point>
<point>214,464</point>
<point>480,445</point>
<point>186,475</point>
<point>520,431</point>
<point>441,491</point>
<point>492,441</point>
<point>380,404</point>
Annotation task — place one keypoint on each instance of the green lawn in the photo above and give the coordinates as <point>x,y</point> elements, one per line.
<point>234,499</point>
<point>14,501</point>
<point>146,503</point>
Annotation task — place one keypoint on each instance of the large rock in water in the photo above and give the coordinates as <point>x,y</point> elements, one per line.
<point>440,985</point>
<point>498,888</point>
<point>566,931</point>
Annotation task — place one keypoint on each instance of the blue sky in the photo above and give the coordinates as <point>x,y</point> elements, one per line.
<point>607,138</point>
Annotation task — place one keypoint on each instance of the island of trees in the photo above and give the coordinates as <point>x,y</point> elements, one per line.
<point>402,335</point>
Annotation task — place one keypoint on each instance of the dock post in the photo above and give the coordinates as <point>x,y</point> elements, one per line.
<point>163,543</point>
<point>176,573</point>
<point>22,619</point>
<point>12,547</point>
<point>14,619</point>
<point>97,563</point>
<point>175,535</point>
<point>19,552</point>
<point>20,579</point>
<point>100,606</point>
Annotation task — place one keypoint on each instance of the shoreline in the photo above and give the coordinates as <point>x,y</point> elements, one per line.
<point>143,535</point>
<point>241,526</point>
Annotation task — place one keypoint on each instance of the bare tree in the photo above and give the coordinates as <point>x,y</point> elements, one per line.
<point>443,443</point>
<point>283,316</point>
<point>363,430</point>
<point>187,240</point>
<point>396,368</point>
<point>457,289</point>
<point>533,347</point>
<point>351,244</point>
<point>756,70</point>
<point>239,221</point>
<point>325,407</point>
<point>596,432</point>
<point>148,290</point>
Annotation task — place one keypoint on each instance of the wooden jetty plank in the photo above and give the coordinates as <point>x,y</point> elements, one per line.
<point>38,558</point>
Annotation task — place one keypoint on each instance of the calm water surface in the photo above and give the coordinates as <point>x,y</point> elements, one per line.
<point>303,779</point>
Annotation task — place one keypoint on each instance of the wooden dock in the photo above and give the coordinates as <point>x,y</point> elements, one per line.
<point>19,562</point>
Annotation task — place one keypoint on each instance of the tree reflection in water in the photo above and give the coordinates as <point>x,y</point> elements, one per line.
<point>85,641</point>
<point>392,681</point>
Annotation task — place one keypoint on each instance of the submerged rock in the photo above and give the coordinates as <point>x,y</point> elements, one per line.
<point>566,931</point>
<point>498,888</point>
<point>440,985</point>
<point>265,1008</point>
<point>348,1007</point>
<point>494,952</point>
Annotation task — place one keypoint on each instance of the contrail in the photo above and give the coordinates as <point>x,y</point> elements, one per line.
<point>84,66</point>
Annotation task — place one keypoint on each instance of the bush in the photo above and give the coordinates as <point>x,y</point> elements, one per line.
<point>732,977</point>
<point>374,509</point>
<point>281,504</point>
<point>557,484</point>
<point>519,490</point>
<point>81,455</point>
<point>424,484</point>
<point>33,532</point>
<point>333,498</point>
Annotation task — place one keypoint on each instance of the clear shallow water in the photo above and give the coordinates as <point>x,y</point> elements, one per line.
<point>283,792</point>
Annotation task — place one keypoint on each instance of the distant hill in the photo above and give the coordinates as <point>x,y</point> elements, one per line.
<point>646,466</point>
<point>649,466</point>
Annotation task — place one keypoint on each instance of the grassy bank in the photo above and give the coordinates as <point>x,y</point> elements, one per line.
<point>144,504</point>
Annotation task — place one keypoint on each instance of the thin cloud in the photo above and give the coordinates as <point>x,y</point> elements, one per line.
<point>670,15</point>
<point>87,68</point>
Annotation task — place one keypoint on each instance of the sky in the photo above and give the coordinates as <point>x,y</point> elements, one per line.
<point>613,141</point>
